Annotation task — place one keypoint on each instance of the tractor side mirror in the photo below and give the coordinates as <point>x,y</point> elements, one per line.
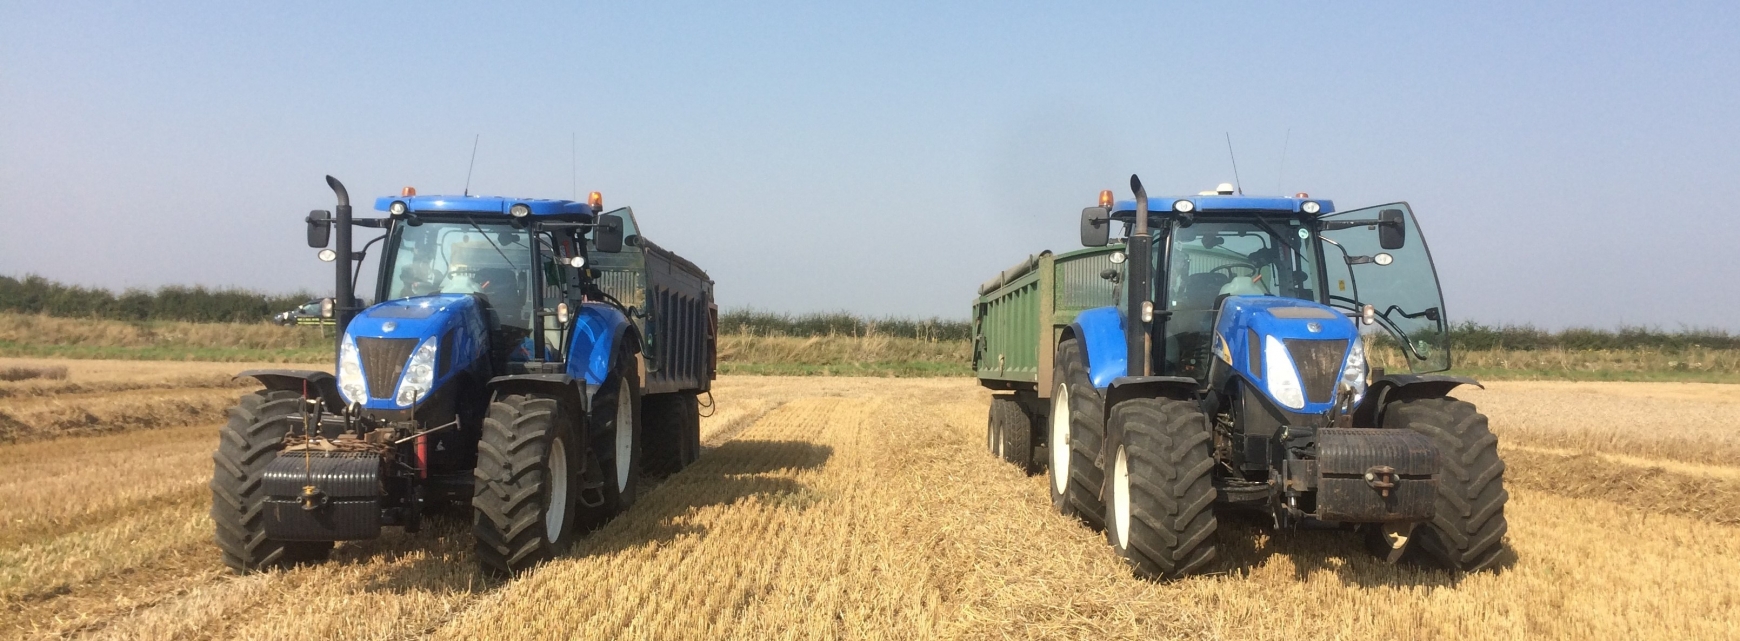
<point>1096,227</point>
<point>1392,229</point>
<point>607,236</point>
<point>319,227</point>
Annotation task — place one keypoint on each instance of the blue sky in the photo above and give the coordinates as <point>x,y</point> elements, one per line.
<point>1570,162</point>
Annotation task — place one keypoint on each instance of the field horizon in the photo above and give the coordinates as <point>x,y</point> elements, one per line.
<point>830,346</point>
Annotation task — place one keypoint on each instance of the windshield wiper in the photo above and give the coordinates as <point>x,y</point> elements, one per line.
<point>486,237</point>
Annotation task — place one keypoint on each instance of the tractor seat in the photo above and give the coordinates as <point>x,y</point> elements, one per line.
<point>1198,291</point>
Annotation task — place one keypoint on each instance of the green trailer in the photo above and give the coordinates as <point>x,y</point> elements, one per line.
<point>1017,320</point>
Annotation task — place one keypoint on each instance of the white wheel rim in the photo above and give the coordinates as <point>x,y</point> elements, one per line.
<point>556,512</point>
<point>624,435</point>
<point>1059,439</point>
<point>1121,498</point>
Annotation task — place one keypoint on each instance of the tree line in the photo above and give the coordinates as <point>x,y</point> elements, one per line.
<point>38,295</point>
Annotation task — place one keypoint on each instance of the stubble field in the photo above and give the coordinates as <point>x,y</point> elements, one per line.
<point>863,508</point>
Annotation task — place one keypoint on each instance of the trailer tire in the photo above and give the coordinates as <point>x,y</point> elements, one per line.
<point>523,492</point>
<point>1015,432</point>
<point>993,436</point>
<point>249,440</point>
<point>672,431</point>
<point>1467,529</point>
<point>1160,507</point>
<point>1074,435</point>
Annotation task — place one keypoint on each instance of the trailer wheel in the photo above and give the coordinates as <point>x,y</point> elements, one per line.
<point>993,437</point>
<point>1014,431</point>
<point>1467,529</point>
<point>1074,437</point>
<point>248,441</point>
<point>672,431</point>
<point>523,492</point>
<point>1160,512</point>
<point>615,428</point>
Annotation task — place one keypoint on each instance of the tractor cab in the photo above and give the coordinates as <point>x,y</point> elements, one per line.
<point>1207,249</point>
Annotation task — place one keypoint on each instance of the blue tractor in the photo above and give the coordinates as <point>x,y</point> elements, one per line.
<point>529,359</point>
<point>1228,368</point>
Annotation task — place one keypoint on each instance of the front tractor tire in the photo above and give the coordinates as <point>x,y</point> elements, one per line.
<point>523,495</point>
<point>615,429</point>
<point>1467,529</point>
<point>1160,508</point>
<point>1074,436</point>
<point>247,443</point>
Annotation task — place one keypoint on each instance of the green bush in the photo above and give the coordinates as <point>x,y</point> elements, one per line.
<point>1474,336</point>
<point>760,323</point>
<point>38,295</point>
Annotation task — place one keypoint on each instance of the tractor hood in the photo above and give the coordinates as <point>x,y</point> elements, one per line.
<point>1296,351</point>
<point>400,352</point>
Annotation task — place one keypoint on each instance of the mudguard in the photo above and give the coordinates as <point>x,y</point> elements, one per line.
<point>320,384</point>
<point>562,386</point>
<point>1127,387</point>
<point>1101,332</point>
<point>598,330</point>
<point>1397,387</point>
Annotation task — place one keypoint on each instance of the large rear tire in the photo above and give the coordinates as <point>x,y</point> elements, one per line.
<point>1076,431</point>
<point>248,441</point>
<point>672,431</point>
<point>523,496</point>
<point>1160,509</point>
<point>1467,529</point>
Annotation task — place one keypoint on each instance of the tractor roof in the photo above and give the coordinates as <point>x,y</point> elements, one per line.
<point>483,204</point>
<point>1226,204</point>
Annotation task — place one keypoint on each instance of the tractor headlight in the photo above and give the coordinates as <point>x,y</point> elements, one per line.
<point>350,374</point>
<point>1282,377</point>
<point>1353,371</point>
<point>419,375</point>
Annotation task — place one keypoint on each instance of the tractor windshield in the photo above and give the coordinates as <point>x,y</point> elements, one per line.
<point>467,257</point>
<point>1215,258</point>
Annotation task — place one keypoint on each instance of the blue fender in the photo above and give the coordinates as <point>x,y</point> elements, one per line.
<point>598,329</point>
<point>1101,331</point>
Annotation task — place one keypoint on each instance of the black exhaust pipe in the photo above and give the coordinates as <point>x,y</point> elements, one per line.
<point>344,305</point>
<point>1138,286</point>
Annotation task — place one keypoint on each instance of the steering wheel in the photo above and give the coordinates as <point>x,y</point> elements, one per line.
<point>1256,274</point>
<point>1229,267</point>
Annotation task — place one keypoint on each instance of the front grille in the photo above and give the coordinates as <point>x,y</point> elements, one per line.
<point>383,360</point>
<point>1319,363</point>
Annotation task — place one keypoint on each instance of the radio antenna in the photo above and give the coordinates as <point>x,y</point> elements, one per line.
<point>1280,180</point>
<point>1237,184</point>
<point>473,164</point>
<point>574,160</point>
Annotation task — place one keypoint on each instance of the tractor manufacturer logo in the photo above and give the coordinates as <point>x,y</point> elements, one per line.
<point>1314,327</point>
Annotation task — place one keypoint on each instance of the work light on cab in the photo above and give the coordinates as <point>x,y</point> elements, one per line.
<point>1310,207</point>
<point>519,210</point>
<point>1183,206</point>
<point>398,208</point>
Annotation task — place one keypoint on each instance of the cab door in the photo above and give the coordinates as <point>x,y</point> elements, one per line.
<point>1400,283</point>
